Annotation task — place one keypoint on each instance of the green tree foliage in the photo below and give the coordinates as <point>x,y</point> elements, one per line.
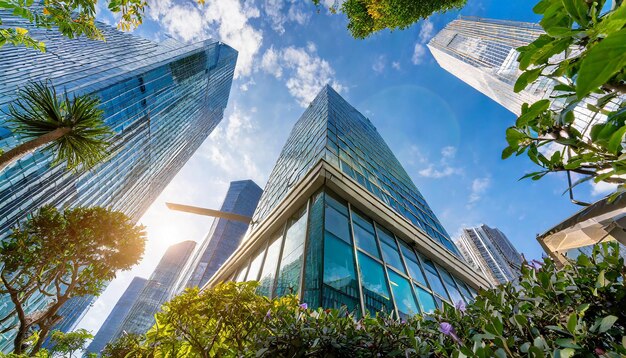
<point>71,128</point>
<point>72,18</point>
<point>584,52</point>
<point>369,16</point>
<point>68,344</point>
<point>556,312</point>
<point>128,345</point>
<point>62,255</point>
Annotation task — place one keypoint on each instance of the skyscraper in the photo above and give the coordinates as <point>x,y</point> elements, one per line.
<point>483,54</point>
<point>161,99</point>
<point>341,223</point>
<point>224,236</point>
<point>490,251</point>
<point>117,315</point>
<point>158,290</point>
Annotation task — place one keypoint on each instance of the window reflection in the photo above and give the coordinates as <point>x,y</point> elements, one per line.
<point>389,248</point>
<point>412,264</point>
<point>255,266</point>
<point>375,289</point>
<point>340,281</point>
<point>291,262</point>
<point>268,274</point>
<point>433,278</point>
<point>364,234</point>
<point>426,300</point>
<point>403,295</point>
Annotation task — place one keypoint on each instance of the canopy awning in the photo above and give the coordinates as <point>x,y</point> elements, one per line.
<point>599,222</point>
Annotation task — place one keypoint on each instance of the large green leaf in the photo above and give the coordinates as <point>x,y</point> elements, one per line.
<point>607,323</point>
<point>578,10</point>
<point>602,62</point>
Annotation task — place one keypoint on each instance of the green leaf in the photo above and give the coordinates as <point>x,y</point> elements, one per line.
<point>615,143</point>
<point>572,321</point>
<point>607,323</point>
<point>527,78</point>
<point>578,10</point>
<point>601,63</point>
<point>508,151</point>
<point>566,343</point>
<point>514,136</point>
<point>566,353</point>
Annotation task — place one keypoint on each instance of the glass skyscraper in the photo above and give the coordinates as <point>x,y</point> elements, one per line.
<point>483,54</point>
<point>224,236</point>
<point>490,251</point>
<point>161,99</point>
<point>159,289</point>
<point>117,315</point>
<point>341,223</point>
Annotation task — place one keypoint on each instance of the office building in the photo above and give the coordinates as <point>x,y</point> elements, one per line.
<point>161,99</point>
<point>117,315</point>
<point>160,288</point>
<point>224,236</point>
<point>490,251</point>
<point>341,223</point>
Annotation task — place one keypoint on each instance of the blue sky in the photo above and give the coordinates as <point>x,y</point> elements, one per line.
<point>447,135</point>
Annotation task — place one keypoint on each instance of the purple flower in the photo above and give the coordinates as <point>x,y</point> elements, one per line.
<point>447,329</point>
<point>536,264</point>
<point>268,315</point>
<point>460,306</point>
<point>304,306</point>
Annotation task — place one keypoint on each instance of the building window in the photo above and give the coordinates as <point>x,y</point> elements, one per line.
<point>389,249</point>
<point>336,219</point>
<point>426,300</point>
<point>268,274</point>
<point>291,262</point>
<point>412,263</point>
<point>255,266</point>
<point>402,295</point>
<point>364,234</point>
<point>375,290</point>
<point>455,295</point>
<point>340,281</point>
<point>433,278</point>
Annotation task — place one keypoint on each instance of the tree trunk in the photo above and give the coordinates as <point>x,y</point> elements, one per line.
<point>47,323</point>
<point>21,150</point>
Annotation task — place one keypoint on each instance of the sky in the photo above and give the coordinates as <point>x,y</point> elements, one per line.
<point>448,136</point>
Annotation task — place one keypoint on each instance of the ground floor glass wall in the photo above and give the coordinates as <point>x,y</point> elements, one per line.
<point>333,256</point>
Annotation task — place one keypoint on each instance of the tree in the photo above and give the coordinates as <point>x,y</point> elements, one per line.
<point>72,128</point>
<point>62,255</point>
<point>67,344</point>
<point>72,19</point>
<point>552,311</point>
<point>127,344</point>
<point>369,16</point>
<point>583,52</point>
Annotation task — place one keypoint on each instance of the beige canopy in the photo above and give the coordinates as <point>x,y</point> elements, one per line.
<point>604,220</point>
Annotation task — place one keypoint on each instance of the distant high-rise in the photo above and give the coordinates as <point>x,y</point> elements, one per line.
<point>483,54</point>
<point>489,250</point>
<point>341,223</point>
<point>160,287</point>
<point>225,235</point>
<point>117,315</point>
<point>161,99</point>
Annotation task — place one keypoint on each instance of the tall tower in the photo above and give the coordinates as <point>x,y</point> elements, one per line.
<point>341,223</point>
<point>490,251</point>
<point>161,99</point>
<point>225,235</point>
<point>158,290</point>
<point>117,315</point>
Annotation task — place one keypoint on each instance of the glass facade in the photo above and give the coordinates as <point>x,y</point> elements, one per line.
<point>161,99</point>
<point>338,272</point>
<point>117,315</point>
<point>482,53</point>
<point>332,129</point>
<point>491,252</point>
<point>224,236</point>
<point>158,290</point>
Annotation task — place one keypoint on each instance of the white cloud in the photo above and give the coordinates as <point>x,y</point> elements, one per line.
<point>479,187</point>
<point>426,33</point>
<point>379,64</point>
<point>395,65</point>
<point>418,54</point>
<point>441,169</point>
<point>305,73</point>
<point>225,20</point>
<point>280,12</point>
<point>602,188</point>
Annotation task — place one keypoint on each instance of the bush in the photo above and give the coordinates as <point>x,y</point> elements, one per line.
<point>574,311</point>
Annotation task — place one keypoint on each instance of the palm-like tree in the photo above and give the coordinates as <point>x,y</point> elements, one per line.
<point>71,128</point>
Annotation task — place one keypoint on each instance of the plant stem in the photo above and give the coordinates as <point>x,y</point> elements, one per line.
<point>23,149</point>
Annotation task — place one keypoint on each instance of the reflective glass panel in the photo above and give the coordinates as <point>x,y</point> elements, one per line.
<point>403,295</point>
<point>340,282</point>
<point>255,266</point>
<point>364,234</point>
<point>241,276</point>
<point>268,274</point>
<point>389,248</point>
<point>412,264</point>
<point>427,302</point>
<point>291,262</point>
<point>337,223</point>
<point>433,278</point>
<point>455,295</point>
<point>464,290</point>
<point>375,289</point>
